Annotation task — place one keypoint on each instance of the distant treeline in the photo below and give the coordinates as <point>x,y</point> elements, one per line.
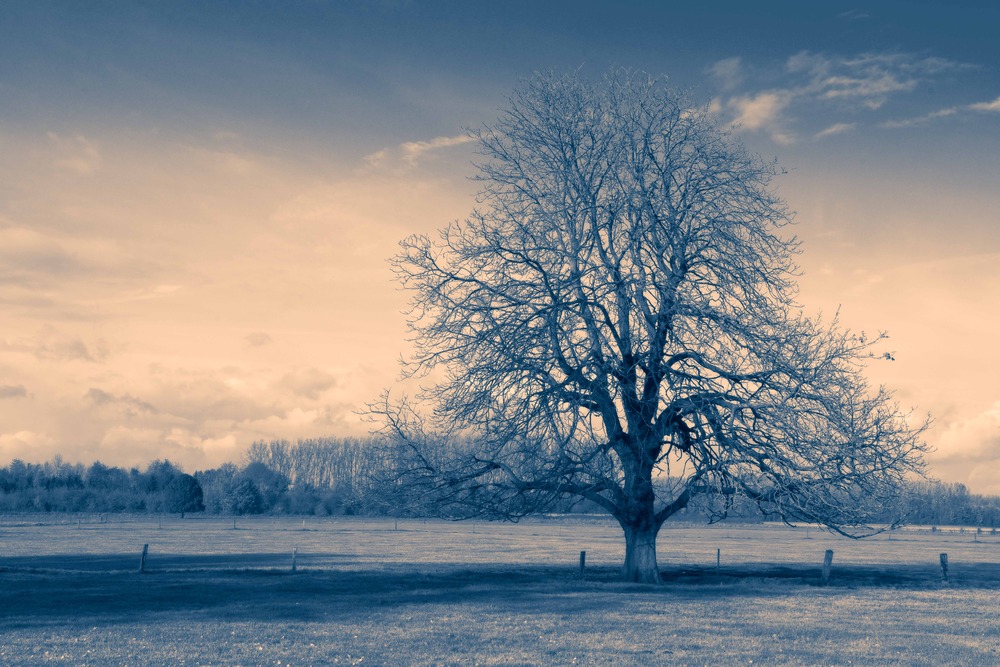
<point>327,476</point>
<point>254,488</point>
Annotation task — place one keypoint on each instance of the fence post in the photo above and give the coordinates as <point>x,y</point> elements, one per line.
<point>827,563</point>
<point>718,562</point>
<point>583,562</point>
<point>944,568</point>
<point>295,551</point>
<point>142,560</point>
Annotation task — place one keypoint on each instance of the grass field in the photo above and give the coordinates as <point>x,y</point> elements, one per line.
<point>385,593</point>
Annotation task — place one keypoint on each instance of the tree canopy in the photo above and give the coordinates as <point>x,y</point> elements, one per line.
<point>617,321</point>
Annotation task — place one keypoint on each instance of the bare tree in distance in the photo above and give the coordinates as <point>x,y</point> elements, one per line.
<point>617,322</point>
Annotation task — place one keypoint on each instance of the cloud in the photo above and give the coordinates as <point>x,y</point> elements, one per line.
<point>200,396</point>
<point>729,72</point>
<point>872,91</point>
<point>286,322</point>
<point>973,439</point>
<point>806,61</point>
<point>968,450</point>
<point>986,106</point>
<point>76,154</point>
<point>59,274</point>
<point>815,83</point>
<point>52,345</point>
<point>993,106</point>
<point>836,128</point>
<point>197,418</point>
<point>127,404</point>
<point>33,259</point>
<point>68,348</point>
<point>13,391</point>
<point>228,163</point>
<point>377,159</point>
<point>756,112</point>
<point>853,15</point>
<point>27,445</point>
<point>258,339</point>
<point>137,445</point>
<point>920,120</point>
<point>762,112</point>
<point>308,383</point>
<point>868,79</point>
<point>411,152</point>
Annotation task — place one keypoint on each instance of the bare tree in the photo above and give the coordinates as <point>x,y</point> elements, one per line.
<point>617,322</point>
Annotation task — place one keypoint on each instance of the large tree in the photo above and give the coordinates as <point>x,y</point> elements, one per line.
<point>617,322</point>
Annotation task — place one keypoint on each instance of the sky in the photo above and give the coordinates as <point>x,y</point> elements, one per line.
<point>197,200</point>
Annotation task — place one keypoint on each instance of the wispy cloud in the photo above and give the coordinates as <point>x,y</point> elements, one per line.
<point>728,72</point>
<point>836,128</point>
<point>920,120</point>
<point>868,79</point>
<point>13,391</point>
<point>853,15</point>
<point>52,345</point>
<point>411,152</point>
<point>377,159</point>
<point>988,107</point>
<point>872,92</point>
<point>77,154</point>
<point>814,82</point>
<point>127,404</point>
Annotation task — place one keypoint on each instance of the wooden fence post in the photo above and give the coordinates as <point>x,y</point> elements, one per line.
<point>944,568</point>
<point>827,563</point>
<point>142,560</point>
<point>718,562</point>
<point>295,551</point>
<point>583,562</point>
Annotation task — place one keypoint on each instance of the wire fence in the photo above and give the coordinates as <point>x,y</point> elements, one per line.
<point>96,543</point>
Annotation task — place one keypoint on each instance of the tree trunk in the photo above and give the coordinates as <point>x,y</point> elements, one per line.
<point>638,519</point>
<point>640,553</point>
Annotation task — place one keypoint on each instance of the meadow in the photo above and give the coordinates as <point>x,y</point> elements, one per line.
<point>386,592</point>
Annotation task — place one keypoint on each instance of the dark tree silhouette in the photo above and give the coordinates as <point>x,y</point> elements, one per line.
<point>184,494</point>
<point>243,497</point>
<point>270,484</point>
<point>617,322</point>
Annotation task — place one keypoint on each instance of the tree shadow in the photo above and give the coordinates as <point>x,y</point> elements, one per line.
<point>167,562</point>
<point>218,588</point>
